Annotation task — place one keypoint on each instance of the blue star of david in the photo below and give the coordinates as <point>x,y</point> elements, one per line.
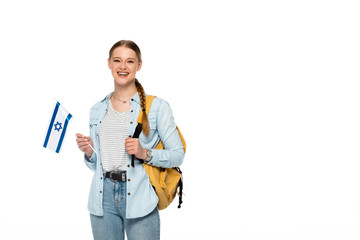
<point>58,126</point>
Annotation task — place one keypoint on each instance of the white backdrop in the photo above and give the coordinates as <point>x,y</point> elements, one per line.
<point>266,94</point>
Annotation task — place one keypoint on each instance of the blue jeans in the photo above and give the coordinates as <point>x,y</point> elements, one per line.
<point>113,224</point>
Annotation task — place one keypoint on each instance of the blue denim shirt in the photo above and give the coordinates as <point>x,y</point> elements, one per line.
<point>141,197</point>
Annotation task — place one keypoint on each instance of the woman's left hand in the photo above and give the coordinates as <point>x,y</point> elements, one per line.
<point>133,147</point>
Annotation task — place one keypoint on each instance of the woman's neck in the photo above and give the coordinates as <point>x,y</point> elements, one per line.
<point>121,96</point>
<point>124,92</point>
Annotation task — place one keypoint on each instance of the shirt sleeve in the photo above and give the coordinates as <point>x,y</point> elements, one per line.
<point>173,153</point>
<point>90,162</point>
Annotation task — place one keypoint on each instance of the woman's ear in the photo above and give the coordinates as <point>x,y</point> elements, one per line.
<point>140,65</point>
<point>109,63</point>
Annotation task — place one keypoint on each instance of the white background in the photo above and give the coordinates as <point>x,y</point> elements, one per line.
<point>266,94</point>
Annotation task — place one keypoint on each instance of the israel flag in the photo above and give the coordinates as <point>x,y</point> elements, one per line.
<point>57,128</point>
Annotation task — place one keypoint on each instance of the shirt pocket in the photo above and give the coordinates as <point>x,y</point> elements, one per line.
<point>152,130</point>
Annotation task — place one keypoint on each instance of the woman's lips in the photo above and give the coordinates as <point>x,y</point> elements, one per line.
<point>122,74</point>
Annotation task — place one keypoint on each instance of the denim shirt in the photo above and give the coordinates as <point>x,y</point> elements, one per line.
<point>141,198</point>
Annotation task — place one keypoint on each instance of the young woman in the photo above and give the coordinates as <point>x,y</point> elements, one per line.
<point>121,197</point>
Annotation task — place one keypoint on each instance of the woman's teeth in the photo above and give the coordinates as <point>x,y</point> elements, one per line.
<point>122,74</point>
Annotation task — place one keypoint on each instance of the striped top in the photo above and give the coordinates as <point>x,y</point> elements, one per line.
<point>114,129</point>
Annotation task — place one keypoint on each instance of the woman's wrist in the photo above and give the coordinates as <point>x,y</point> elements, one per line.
<point>89,154</point>
<point>144,154</point>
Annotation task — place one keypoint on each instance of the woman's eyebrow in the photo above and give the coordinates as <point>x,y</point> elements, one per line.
<point>125,58</point>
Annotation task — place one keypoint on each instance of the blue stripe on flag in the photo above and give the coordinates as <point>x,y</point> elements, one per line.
<point>51,124</point>
<point>63,133</point>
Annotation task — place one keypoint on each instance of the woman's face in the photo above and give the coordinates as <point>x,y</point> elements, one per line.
<point>124,64</point>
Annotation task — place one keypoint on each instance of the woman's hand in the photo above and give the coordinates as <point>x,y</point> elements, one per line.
<point>133,147</point>
<point>83,144</point>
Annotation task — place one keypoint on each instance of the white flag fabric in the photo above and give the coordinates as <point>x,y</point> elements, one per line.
<point>57,128</point>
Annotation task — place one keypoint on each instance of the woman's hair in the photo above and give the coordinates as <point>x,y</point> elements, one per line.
<point>130,44</point>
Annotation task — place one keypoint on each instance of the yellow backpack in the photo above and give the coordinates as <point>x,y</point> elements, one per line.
<point>165,181</point>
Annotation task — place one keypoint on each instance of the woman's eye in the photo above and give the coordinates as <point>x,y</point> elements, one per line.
<point>116,61</point>
<point>130,61</point>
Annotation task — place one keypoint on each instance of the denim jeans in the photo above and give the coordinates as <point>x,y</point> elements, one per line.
<point>113,224</point>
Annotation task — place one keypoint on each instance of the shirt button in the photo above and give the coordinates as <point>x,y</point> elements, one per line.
<point>128,165</point>
<point>132,99</point>
<point>100,191</point>
<point>129,180</point>
<point>132,110</point>
<point>129,194</point>
<point>131,122</point>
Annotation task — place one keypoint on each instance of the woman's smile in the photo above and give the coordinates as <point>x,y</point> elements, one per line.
<point>123,74</point>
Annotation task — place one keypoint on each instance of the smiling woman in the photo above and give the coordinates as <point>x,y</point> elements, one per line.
<point>124,63</point>
<point>121,195</point>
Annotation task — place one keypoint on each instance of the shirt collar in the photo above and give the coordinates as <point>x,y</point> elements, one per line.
<point>134,98</point>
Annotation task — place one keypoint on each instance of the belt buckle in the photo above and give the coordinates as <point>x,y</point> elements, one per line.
<point>123,176</point>
<point>111,178</point>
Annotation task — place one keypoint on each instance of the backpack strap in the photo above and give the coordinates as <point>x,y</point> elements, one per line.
<point>138,128</point>
<point>180,186</point>
<point>137,132</point>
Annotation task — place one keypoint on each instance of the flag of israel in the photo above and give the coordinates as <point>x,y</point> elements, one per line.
<point>57,128</point>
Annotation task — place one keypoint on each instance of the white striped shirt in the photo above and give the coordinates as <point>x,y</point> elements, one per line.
<point>114,129</point>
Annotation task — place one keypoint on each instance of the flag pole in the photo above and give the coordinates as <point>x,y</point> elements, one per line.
<point>77,129</point>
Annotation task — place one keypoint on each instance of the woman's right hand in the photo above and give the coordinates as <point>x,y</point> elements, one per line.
<point>83,144</point>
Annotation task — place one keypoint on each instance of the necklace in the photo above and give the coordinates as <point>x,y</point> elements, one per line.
<point>123,101</point>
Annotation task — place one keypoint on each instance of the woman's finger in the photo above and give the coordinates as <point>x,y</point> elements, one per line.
<point>81,139</point>
<point>83,148</point>
<point>82,144</point>
<point>130,148</point>
<point>128,140</point>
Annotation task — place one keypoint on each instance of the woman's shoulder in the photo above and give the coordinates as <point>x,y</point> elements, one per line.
<point>160,106</point>
<point>100,104</point>
<point>158,103</point>
<point>157,100</point>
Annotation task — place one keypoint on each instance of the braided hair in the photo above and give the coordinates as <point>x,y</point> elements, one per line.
<point>145,121</point>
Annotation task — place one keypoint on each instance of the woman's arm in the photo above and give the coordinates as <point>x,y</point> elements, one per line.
<point>173,153</point>
<point>84,146</point>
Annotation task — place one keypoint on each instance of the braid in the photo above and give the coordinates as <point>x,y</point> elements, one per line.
<point>145,121</point>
